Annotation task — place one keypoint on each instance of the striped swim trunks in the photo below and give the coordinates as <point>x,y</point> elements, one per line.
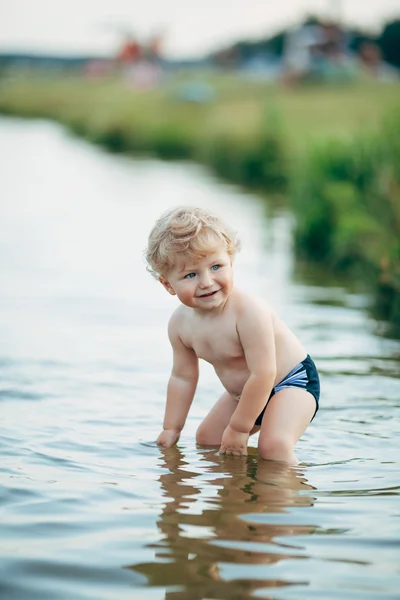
<point>304,376</point>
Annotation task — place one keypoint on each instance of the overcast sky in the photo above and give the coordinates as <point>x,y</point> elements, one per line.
<point>190,27</point>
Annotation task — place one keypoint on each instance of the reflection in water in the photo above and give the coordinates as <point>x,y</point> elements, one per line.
<point>81,494</point>
<point>210,522</point>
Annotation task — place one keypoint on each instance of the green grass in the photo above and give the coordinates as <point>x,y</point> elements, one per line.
<point>326,148</point>
<point>306,113</point>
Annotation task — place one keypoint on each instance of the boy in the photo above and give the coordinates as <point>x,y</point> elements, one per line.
<point>271,384</point>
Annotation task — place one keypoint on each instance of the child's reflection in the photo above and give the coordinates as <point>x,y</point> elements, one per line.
<point>206,521</point>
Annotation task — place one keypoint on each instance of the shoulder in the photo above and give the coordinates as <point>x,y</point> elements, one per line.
<point>249,305</point>
<point>254,318</point>
<point>255,323</point>
<point>178,321</point>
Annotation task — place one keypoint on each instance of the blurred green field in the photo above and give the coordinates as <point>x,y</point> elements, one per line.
<point>251,132</point>
<point>240,108</point>
<point>331,152</point>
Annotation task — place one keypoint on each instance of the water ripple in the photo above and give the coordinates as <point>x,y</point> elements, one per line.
<point>91,507</point>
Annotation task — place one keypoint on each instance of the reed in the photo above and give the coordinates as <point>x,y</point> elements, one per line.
<point>346,200</point>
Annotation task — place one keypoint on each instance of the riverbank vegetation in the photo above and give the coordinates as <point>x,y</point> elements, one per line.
<point>346,199</point>
<point>333,152</point>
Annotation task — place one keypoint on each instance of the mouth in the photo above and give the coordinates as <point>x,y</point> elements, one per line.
<point>209,294</point>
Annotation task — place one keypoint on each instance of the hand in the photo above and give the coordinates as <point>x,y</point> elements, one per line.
<point>234,442</point>
<point>168,437</point>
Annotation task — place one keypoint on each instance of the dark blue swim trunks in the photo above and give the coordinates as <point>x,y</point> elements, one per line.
<point>304,376</point>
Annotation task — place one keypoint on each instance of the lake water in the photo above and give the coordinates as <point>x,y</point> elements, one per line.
<point>91,508</point>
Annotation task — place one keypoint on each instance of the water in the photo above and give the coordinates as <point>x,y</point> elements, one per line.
<point>90,507</point>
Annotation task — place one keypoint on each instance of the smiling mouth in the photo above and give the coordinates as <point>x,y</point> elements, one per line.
<point>209,295</point>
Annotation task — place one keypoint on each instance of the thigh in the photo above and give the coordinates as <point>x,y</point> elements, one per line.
<point>288,413</point>
<point>214,424</point>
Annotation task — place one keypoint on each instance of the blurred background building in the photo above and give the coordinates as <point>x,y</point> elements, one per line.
<point>316,49</point>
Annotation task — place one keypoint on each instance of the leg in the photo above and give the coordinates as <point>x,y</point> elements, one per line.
<point>286,417</point>
<point>213,425</point>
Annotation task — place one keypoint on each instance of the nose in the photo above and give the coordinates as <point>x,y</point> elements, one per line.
<point>205,279</point>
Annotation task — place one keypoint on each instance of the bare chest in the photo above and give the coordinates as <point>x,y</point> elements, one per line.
<point>214,343</point>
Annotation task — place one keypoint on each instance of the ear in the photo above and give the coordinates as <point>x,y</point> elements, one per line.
<point>167,286</point>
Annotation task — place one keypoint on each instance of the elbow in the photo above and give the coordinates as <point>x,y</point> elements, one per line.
<point>187,378</point>
<point>266,377</point>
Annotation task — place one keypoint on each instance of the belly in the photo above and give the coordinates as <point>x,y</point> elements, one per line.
<point>233,378</point>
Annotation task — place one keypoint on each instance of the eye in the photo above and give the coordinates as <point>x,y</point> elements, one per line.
<point>190,276</point>
<point>215,267</point>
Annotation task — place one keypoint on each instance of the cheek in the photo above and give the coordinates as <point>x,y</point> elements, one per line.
<point>227,279</point>
<point>186,291</point>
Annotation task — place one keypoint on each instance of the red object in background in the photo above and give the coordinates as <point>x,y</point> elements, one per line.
<point>131,52</point>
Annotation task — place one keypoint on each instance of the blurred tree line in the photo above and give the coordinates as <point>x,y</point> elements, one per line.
<point>387,41</point>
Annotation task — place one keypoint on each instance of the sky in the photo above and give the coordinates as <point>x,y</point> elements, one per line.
<point>189,27</point>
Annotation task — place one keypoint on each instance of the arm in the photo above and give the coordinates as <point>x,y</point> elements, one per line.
<point>181,388</point>
<point>256,333</point>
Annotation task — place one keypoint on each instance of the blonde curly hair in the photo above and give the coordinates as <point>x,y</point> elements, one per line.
<point>189,231</point>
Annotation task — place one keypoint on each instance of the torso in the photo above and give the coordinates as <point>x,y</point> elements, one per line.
<point>214,338</point>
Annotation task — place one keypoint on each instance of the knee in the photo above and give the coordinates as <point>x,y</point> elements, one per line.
<point>205,437</point>
<point>201,435</point>
<point>277,447</point>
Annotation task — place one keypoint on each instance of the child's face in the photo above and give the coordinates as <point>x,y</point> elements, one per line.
<point>203,284</point>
